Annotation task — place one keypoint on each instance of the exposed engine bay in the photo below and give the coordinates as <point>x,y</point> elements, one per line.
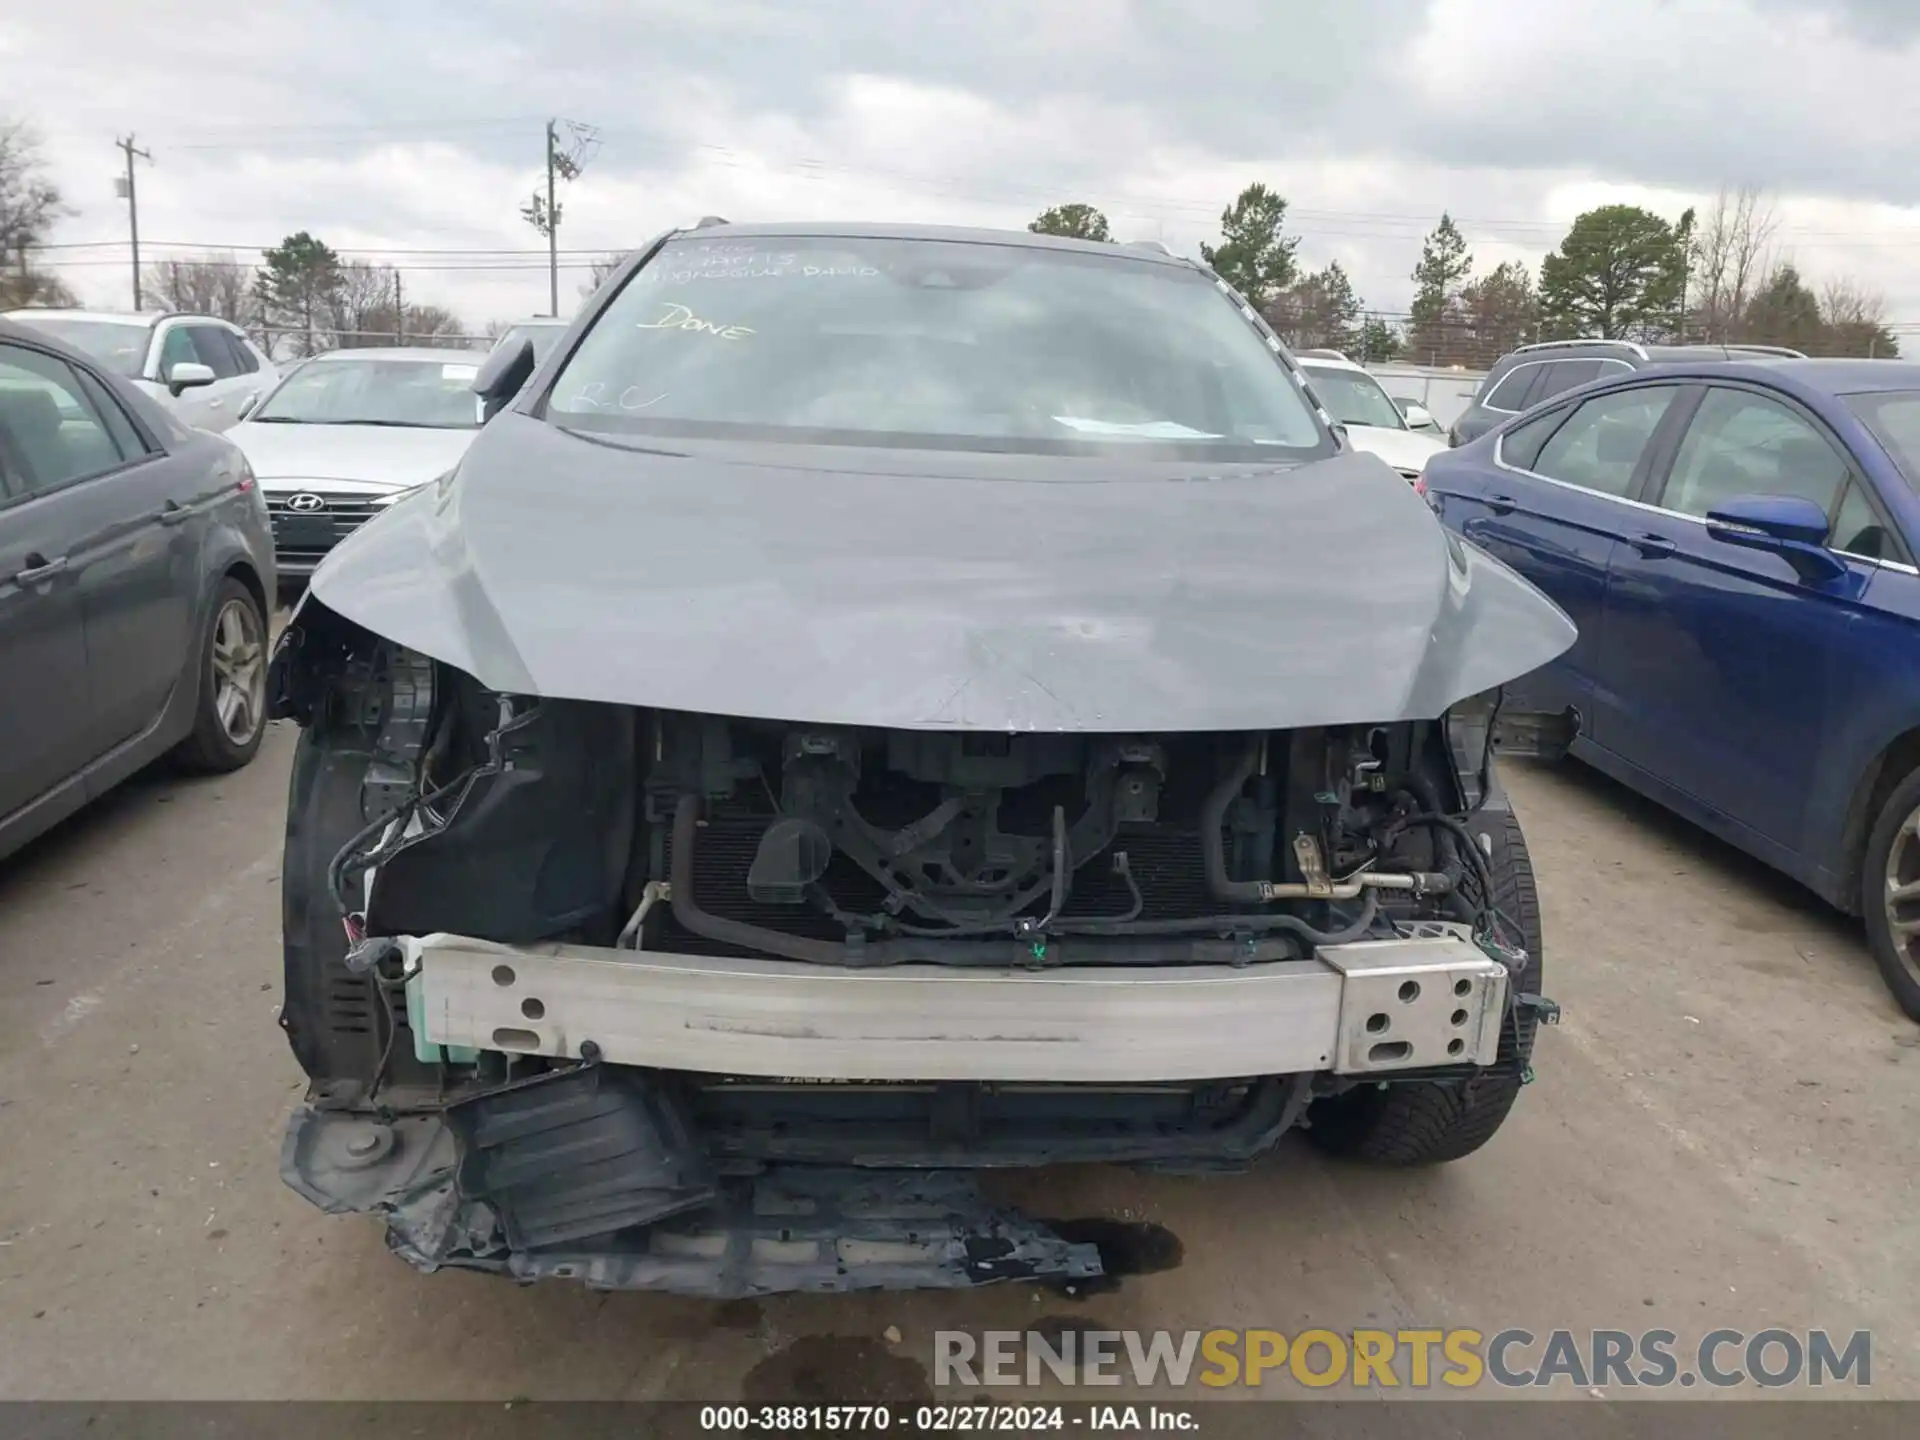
<point>517,819</point>
<point>547,958</point>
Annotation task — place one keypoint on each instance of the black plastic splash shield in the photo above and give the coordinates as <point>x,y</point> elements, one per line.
<point>593,1175</point>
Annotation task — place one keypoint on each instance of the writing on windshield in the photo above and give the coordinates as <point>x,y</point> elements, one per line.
<point>906,341</point>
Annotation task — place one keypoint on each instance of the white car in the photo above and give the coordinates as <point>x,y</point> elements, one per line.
<point>1373,418</point>
<point>543,330</point>
<point>204,369</point>
<point>349,432</point>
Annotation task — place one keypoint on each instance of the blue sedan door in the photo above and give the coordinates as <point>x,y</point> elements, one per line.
<point>1553,504</point>
<point>1721,662</point>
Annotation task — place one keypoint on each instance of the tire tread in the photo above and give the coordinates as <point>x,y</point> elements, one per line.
<point>1430,1122</point>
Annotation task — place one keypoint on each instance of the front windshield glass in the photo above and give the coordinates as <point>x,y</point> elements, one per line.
<point>1894,418</point>
<point>431,394</point>
<point>120,348</point>
<point>926,343</point>
<point>1354,397</point>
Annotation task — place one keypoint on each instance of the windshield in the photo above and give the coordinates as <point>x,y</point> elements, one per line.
<point>120,348</point>
<point>1894,418</point>
<point>922,343</point>
<point>1354,397</point>
<point>431,394</point>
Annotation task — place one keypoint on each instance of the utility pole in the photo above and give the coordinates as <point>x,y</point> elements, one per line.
<point>553,229</point>
<point>126,186</point>
<point>399,310</point>
<point>543,211</point>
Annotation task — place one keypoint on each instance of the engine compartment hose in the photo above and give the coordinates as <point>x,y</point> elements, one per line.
<point>1213,815</point>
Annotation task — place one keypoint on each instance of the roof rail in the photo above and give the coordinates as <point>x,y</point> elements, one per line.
<point>1636,350</point>
<point>705,220</point>
<point>1780,350</point>
<point>1153,245</point>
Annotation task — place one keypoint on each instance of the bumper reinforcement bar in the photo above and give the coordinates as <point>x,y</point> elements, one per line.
<point>1430,999</point>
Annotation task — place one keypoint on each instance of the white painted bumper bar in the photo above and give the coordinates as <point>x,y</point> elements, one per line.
<point>1367,1008</point>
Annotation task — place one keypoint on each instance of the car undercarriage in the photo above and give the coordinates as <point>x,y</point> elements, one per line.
<point>657,999</point>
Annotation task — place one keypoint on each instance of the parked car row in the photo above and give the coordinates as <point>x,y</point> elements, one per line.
<point>136,576</point>
<point>347,434</point>
<point>1004,627</point>
<point>1400,432</point>
<point>159,479</point>
<point>1735,538</point>
<point>1534,374</point>
<point>205,370</point>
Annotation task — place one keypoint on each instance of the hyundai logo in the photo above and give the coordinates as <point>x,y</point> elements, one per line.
<point>307,504</point>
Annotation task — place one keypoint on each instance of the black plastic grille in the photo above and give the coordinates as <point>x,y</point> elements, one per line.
<point>309,535</point>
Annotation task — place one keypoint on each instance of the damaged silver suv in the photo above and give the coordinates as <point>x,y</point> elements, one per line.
<point>876,704</point>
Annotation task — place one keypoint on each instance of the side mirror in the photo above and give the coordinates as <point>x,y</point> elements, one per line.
<point>501,375</point>
<point>1418,416</point>
<point>1786,525</point>
<point>188,375</point>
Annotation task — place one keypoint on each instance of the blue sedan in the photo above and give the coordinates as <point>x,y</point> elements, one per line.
<point>1736,544</point>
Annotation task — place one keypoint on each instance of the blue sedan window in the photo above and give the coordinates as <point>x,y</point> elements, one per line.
<point>1741,443</point>
<point>1858,531</point>
<point>1520,446</point>
<point>1599,448</point>
<point>1894,419</point>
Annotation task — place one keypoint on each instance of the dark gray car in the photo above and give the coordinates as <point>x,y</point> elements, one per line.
<point>881,703</point>
<point>1534,374</point>
<point>135,562</point>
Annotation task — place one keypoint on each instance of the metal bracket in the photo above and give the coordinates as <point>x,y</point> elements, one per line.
<point>1313,866</point>
<point>1543,1010</point>
<point>393,776</point>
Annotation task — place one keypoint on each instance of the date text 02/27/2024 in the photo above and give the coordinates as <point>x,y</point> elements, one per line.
<point>945,1419</point>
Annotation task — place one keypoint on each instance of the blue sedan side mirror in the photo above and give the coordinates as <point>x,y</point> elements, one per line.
<point>1787,525</point>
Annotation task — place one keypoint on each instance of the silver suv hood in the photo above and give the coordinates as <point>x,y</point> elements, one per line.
<point>941,590</point>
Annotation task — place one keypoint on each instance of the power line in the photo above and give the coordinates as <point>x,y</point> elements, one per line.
<point>1356,224</point>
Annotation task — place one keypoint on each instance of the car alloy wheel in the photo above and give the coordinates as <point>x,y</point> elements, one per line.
<point>239,671</point>
<point>1903,893</point>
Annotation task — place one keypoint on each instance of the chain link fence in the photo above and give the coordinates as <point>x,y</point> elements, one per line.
<point>289,343</point>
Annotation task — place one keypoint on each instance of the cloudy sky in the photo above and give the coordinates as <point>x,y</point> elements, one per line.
<point>411,130</point>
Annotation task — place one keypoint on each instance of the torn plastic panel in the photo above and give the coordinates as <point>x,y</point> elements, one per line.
<point>593,1176</point>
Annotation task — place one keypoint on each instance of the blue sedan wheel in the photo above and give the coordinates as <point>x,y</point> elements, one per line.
<point>1890,893</point>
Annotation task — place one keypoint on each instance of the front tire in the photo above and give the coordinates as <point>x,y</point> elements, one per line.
<point>1428,1122</point>
<point>230,711</point>
<point>1890,893</point>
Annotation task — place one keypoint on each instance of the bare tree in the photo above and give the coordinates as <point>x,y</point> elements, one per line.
<point>1730,260</point>
<point>1845,301</point>
<point>29,204</point>
<point>363,313</point>
<point>205,285</point>
<point>435,325</point>
<point>361,310</point>
<point>603,270</point>
<point>1855,320</point>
